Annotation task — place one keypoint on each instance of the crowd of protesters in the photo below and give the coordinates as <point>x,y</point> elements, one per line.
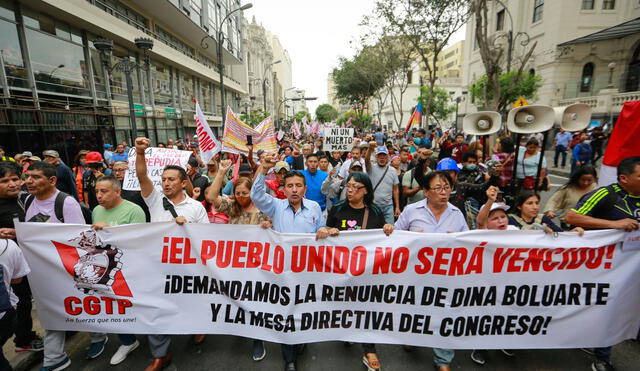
<point>421,181</point>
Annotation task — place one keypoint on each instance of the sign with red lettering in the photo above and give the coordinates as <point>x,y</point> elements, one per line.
<point>157,158</point>
<point>470,290</point>
<point>209,144</point>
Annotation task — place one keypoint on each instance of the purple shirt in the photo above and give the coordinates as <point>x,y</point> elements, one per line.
<point>71,210</point>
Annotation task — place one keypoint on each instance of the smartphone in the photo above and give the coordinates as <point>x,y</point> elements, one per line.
<point>250,140</point>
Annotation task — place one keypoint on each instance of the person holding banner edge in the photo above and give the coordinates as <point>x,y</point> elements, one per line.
<point>293,215</point>
<point>172,205</point>
<point>614,206</point>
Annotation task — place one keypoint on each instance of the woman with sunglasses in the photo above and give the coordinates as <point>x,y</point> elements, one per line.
<point>356,212</point>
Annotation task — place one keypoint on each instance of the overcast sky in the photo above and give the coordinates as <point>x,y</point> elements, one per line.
<point>316,34</point>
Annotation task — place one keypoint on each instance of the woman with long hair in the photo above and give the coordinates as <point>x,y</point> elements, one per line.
<point>241,210</point>
<point>527,167</point>
<point>503,152</point>
<point>527,215</point>
<point>581,182</point>
<point>356,212</point>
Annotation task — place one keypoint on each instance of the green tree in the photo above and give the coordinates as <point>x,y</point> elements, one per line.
<point>512,85</point>
<point>427,25</point>
<point>302,114</point>
<point>326,113</point>
<point>254,117</point>
<point>358,120</point>
<point>439,103</point>
<point>358,79</point>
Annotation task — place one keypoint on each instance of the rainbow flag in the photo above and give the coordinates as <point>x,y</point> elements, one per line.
<point>416,117</point>
<point>236,131</point>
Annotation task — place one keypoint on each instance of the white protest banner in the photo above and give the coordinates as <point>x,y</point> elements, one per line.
<point>209,144</point>
<point>338,139</point>
<point>471,290</point>
<point>157,159</point>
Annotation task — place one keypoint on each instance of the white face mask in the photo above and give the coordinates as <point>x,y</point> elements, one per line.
<point>587,142</point>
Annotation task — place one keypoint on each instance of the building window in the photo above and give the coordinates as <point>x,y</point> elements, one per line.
<point>500,20</point>
<point>409,77</point>
<point>608,4</point>
<point>588,4</point>
<point>532,72</point>
<point>537,10</point>
<point>587,78</point>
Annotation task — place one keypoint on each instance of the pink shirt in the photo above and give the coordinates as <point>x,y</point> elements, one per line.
<point>71,210</point>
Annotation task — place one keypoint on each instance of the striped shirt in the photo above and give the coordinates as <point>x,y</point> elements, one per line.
<point>610,203</point>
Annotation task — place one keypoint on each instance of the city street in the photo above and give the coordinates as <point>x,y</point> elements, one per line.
<point>233,354</point>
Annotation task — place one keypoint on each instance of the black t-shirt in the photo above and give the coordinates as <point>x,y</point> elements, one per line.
<point>9,209</point>
<point>89,186</point>
<point>136,198</point>
<point>544,220</point>
<point>346,218</point>
<point>610,203</point>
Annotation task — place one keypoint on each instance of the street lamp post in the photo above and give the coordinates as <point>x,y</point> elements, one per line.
<point>127,66</point>
<point>264,85</point>
<point>220,42</point>
<point>510,37</point>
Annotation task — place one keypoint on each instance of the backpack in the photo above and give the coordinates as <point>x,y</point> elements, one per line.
<point>59,205</point>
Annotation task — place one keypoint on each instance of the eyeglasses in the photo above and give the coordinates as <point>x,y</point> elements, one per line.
<point>354,187</point>
<point>441,189</point>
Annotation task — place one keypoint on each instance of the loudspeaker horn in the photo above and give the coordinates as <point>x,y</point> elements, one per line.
<point>574,117</point>
<point>482,123</point>
<point>532,119</point>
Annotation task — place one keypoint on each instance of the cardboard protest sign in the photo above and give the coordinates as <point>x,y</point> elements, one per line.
<point>338,139</point>
<point>157,159</point>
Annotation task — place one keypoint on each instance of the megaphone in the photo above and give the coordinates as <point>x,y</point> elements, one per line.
<point>532,119</point>
<point>574,117</point>
<point>482,123</point>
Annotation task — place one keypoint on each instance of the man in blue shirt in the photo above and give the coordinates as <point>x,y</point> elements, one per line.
<point>120,154</point>
<point>292,215</point>
<point>561,142</point>
<point>314,178</point>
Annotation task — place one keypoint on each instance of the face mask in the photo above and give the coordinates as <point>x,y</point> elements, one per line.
<point>471,166</point>
<point>243,201</point>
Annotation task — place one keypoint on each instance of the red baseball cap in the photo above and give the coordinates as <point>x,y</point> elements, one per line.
<point>93,157</point>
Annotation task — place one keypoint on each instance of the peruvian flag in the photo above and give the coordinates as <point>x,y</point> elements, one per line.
<point>623,142</point>
<point>348,123</point>
<point>315,127</point>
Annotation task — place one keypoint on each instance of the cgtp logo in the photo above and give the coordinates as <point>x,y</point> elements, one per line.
<point>99,271</point>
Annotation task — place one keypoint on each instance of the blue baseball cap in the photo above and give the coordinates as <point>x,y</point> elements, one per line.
<point>382,149</point>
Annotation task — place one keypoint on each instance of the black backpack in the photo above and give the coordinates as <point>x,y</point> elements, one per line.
<point>59,205</point>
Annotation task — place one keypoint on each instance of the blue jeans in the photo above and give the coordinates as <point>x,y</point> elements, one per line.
<point>443,357</point>
<point>560,149</point>
<point>603,354</point>
<point>127,339</point>
<point>387,211</point>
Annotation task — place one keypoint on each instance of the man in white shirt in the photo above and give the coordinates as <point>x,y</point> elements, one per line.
<point>12,268</point>
<point>172,204</point>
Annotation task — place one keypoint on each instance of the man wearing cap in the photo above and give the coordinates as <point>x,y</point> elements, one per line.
<point>356,155</point>
<point>119,154</point>
<point>93,161</point>
<point>386,189</point>
<point>197,180</point>
<point>314,179</point>
<point>66,183</point>
<point>275,187</point>
<point>334,187</point>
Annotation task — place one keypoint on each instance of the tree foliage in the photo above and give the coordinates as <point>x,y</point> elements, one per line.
<point>299,115</point>
<point>357,79</point>
<point>358,119</point>
<point>254,117</point>
<point>510,90</point>
<point>326,113</point>
<point>427,25</point>
<point>493,57</point>
<point>439,103</point>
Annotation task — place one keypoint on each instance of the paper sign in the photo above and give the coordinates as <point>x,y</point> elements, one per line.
<point>338,139</point>
<point>157,159</point>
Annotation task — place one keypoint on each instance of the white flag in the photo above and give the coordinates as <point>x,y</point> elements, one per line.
<point>209,144</point>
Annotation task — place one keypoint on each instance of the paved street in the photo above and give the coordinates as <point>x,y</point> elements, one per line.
<point>232,353</point>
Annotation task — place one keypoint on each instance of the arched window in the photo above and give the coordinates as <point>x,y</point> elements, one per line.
<point>633,72</point>
<point>532,72</point>
<point>587,78</point>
